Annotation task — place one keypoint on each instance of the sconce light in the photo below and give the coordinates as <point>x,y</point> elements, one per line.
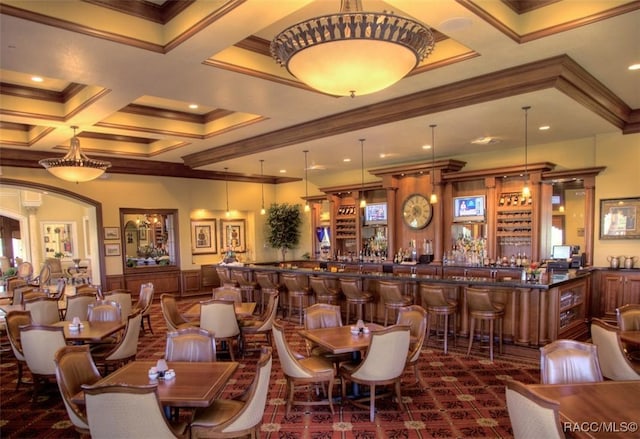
<point>262,210</point>
<point>307,208</point>
<point>433,199</point>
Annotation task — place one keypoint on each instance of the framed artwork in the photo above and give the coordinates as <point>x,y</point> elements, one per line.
<point>111,233</point>
<point>203,236</point>
<point>619,218</point>
<point>112,249</point>
<point>232,234</point>
<point>59,239</point>
<point>142,233</point>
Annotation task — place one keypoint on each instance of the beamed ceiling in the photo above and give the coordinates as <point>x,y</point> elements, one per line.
<point>126,72</point>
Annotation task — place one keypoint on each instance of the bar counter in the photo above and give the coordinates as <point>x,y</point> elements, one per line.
<point>536,313</point>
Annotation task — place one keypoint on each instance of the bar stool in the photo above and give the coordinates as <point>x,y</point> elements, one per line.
<point>267,287</point>
<point>247,286</point>
<point>392,297</point>
<point>438,305</point>
<point>296,289</point>
<point>356,297</point>
<point>322,292</point>
<point>225,277</point>
<point>482,308</point>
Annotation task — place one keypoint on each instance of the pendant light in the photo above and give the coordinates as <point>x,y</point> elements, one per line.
<point>307,208</point>
<point>262,210</point>
<point>363,200</point>
<point>226,188</point>
<point>526,192</point>
<point>433,199</point>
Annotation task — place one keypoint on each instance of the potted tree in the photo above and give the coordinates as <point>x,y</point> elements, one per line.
<point>283,227</point>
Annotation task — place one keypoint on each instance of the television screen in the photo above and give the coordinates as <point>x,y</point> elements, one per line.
<point>469,209</point>
<point>375,213</point>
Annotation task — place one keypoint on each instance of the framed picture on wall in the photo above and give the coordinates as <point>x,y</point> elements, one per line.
<point>233,235</point>
<point>111,233</point>
<point>619,218</point>
<point>112,249</point>
<point>203,236</point>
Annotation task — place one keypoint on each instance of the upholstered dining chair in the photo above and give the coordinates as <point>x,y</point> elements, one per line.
<point>219,317</point>
<point>25,271</point>
<point>415,317</point>
<point>569,361</point>
<point>481,308</point>
<point>13,283</point>
<point>44,311</point>
<point>254,327</point>
<point>324,315</point>
<point>225,277</point>
<point>532,416</point>
<point>126,411</point>
<point>14,320</point>
<point>114,355</point>
<point>55,265</point>
<point>383,364</point>
<point>39,345</point>
<point>172,316</point>
<point>246,285</point>
<point>145,300</point>
<point>628,317</point>
<point>613,362</point>
<point>267,286</point>
<point>104,311</point>
<point>232,294</point>
<point>75,367</point>
<point>43,277</point>
<point>232,418</point>
<point>22,294</point>
<point>122,297</point>
<point>299,369</point>
<point>90,289</point>
<point>190,344</point>
<point>78,306</point>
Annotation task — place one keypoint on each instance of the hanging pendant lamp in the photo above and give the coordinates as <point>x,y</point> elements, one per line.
<point>307,208</point>
<point>433,199</point>
<point>363,200</point>
<point>262,210</point>
<point>526,192</point>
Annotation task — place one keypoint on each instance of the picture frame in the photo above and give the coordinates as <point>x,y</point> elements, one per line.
<point>204,236</point>
<point>59,239</point>
<point>111,233</point>
<point>112,249</point>
<point>233,235</point>
<point>619,218</point>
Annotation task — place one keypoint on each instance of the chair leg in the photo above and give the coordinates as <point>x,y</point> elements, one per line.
<point>472,324</point>
<point>372,402</point>
<point>429,317</point>
<point>491,339</point>
<point>455,336</point>
<point>446,331</point>
<point>19,374</point>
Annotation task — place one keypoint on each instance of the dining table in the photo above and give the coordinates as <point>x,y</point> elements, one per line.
<point>632,337</point>
<point>89,332</point>
<point>606,409</point>
<point>195,384</point>
<point>243,310</point>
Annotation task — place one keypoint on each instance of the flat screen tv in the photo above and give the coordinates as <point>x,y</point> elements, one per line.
<point>561,252</point>
<point>469,209</point>
<point>375,213</point>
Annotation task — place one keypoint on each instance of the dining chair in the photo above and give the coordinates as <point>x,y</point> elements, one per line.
<point>55,265</point>
<point>13,283</point>
<point>322,292</point>
<point>240,416</point>
<point>415,317</point>
<point>383,364</point>
<point>21,294</point>
<point>145,300</point>
<point>324,315</point>
<point>613,362</point>
<point>25,271</point>
<point>356,297</point>
<point>122,297</point>
<point>219,317</point>
<point>114,355</point>
<point>39,345</point>
<point>14,320</point>
<point>90,289</point>
<point>569,361</point>
<point>532,416</point>
<point>190,344</point>
<point>44,311</point>
<point>628,317</point>
<point>78,306</point>
<point>232,294</point>
<point>75,367</point>
<point>104,311</point>
<point>43,277</point>
<point>254,327</point>
<point>246,285</point>
<point>172,316</point>
<point>297,289</point>
<point>392,297</point>
<point>299,369</point>
<point>127,411</point>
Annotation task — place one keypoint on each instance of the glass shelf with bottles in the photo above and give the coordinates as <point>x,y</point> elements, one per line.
<point>346,222</point>
<point>514,200</point>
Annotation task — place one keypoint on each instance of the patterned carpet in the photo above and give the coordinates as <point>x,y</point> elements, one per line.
<point>464,398</point>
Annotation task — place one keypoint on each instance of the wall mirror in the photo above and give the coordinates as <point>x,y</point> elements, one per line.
<point>149,238</point>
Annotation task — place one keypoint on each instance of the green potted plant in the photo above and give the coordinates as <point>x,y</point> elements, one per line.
<point>283,227</point>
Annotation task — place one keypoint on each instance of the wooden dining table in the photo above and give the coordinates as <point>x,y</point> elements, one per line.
<point>90,332</point>
<point>194,384</point>
<point>243,309</point>
<point>339,340</point>
<point>607,409</point>
<point>632,337</point>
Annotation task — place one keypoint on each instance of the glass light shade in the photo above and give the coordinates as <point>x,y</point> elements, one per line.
<point>433,199</point>
<point>307,208</point>
<point>526,192</point>
<point>76,174</point>
<point>263,211</point>
<point>363,203</point>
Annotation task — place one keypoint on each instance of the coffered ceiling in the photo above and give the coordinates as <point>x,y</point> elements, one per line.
<point>127,72</point>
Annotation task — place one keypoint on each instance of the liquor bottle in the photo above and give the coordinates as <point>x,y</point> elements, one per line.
<point>502,201</point>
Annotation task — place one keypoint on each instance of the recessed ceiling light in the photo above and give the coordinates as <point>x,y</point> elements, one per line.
<point>37,78</point>
<point>426,146</point>
<point>347,160</point>
<point>634,66</point>
<point>283,171</point>
<point>382,155</point>
<point>544,128</point>
<point>193,106</point>
<point>487,140</point>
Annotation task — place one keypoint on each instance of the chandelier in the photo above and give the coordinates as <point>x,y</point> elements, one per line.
<point>75,166</point>
<point>352,52</point>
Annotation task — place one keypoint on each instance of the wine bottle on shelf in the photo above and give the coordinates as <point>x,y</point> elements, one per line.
<point>501,202</point>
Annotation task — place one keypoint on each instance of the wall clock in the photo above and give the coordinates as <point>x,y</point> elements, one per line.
<point>416,211</point>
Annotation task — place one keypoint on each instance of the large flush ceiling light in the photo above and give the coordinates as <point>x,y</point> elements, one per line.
<point>352,52</point>
<point>75,166</point>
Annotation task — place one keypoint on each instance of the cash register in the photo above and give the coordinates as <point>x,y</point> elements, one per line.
<point>564,257</point>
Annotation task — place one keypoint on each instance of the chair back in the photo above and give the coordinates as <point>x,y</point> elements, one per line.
<point>264,280</point>
<point>569,361</point>
<point>136,408</point>
<point>479,299</point>
<point>390,291</point>
<point>532,416</point>
<point>386,355</point>
<point>225,277</point>
<point>322,315</point>
<point>25,271</point>
<point>123,297</point>
<point>415,317</point>
<point>12,284</point>
<point>14,320</point>
<point>44,276</point>
<point>39,345</point>
<point>241,277</point>
<point>269,315</point>
<point>350,288</point>
<point>75,367</point>
<point>231,294</point>
<point>44,311</point>
<point>294,282</point>
<point>219,317</point>
<point>145,299</point>
<point>78,306</point>
<point>290,365</point>
<point>127,346</point>
<point>170,312</point>
<point>613,362</point>
<point>628,317</point>
<point>190,344</point>
<point>55,265</point>
<point>87,288</point>
<point>319,286</point>
<point>60,287</point>
<point>432,296</point>
<point>104,311</point>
